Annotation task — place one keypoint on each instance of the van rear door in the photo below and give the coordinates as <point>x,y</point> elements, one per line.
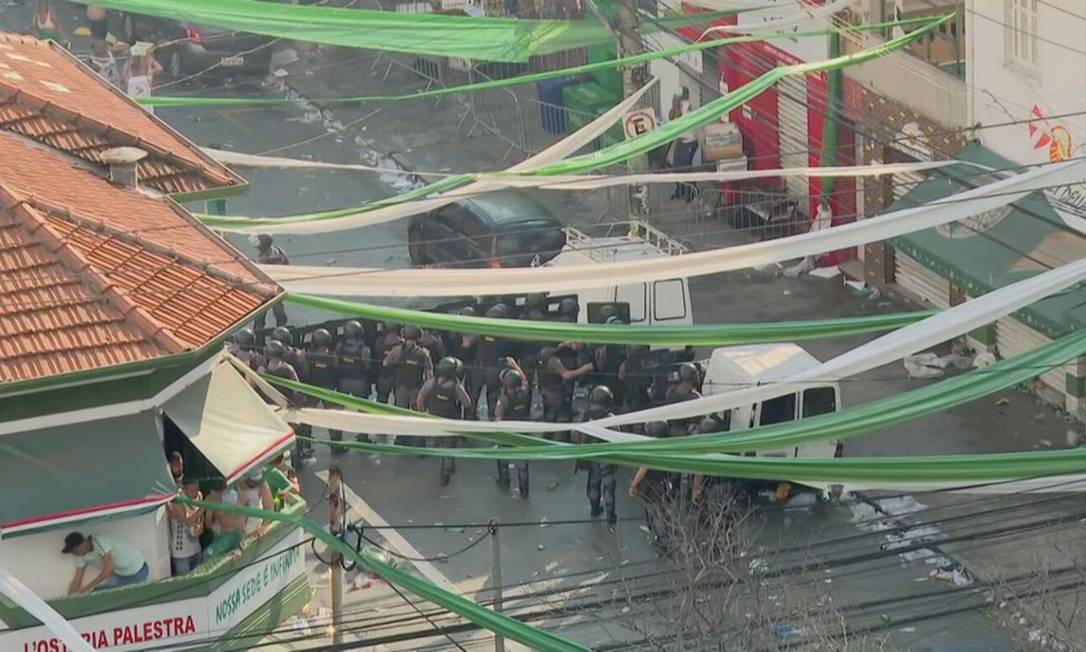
<point>670,302</point>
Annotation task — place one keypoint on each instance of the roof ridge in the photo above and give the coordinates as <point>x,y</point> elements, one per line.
<point>133,238</point>
<point>71,258</point>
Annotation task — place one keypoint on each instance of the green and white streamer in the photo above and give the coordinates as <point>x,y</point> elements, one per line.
<point>383,211</point>
<point>167,101</point>
<point>676,336</point>
<point>845,424</point>
<point>480,38</point>
<point>346,281</point>
<point>507,626</point>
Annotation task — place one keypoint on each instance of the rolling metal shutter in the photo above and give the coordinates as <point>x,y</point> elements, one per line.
<point>1014,338</point>
<point>921,281</point>
<point>794,145</point>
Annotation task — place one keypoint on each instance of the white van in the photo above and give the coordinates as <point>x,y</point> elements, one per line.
<point>738,367</point>
<point>666,301</point>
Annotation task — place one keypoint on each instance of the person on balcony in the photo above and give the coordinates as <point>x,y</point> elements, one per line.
<point>121,564</point>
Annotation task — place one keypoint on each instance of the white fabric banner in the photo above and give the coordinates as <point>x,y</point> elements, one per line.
<point>552,154</point>
<point>40,609</point>
<point>596,181</point>
<point>347,281</point>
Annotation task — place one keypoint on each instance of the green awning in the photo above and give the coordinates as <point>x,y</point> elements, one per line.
<point>998,247</point>
<point>65,474</point>
<point>225,419</point>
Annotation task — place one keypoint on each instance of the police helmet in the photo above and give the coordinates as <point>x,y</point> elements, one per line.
<point>657,429</point>
<point>497,311</point>
<point>683,393</point>
<point>688,373</point>
<point>708,425</point>
<point>244,337</point>
<point>353,329</point>
<point>322,338</point>
<point>511,378</point>
<point>607,313</point>
<point>274,350</point>
<point>282,335</point>
<point>264,240</point>
<point>468,311</point>
<point>568,307</point>
<point>535,301</point>
<point>413,333</point>
<point>601,395</point>
<point>448,367</point>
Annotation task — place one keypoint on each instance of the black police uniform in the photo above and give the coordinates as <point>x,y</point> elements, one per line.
<point>355,366</point>
<point>383,375</point>
<point>517,406</point>
<point>557,394</point>
<point>601,476</point>
<point>489,354</point>
<point>407,377</point>
<point>444,402</point>
<point>324,372</point>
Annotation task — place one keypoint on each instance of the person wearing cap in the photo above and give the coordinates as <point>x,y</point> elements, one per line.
<point>121,565</point>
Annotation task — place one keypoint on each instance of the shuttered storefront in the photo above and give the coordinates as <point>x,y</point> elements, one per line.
<point>794,145</point>
<point>928,286</point>
<point>1014,338</point>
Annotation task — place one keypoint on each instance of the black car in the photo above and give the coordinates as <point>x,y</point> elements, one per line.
<point>185,49</point>
<point>505,228</point>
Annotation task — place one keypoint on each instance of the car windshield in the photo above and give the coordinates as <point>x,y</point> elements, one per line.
<point>530,238</point>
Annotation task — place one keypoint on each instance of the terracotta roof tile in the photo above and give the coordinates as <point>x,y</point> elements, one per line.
<point>49,96</point>
<point>93,274</point>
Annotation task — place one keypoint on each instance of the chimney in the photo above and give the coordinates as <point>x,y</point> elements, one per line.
<point>122,162</point>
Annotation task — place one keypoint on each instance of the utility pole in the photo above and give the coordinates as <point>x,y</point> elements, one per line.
<point>335,506</point>
<point>633,78</point>
<point>496,578</point>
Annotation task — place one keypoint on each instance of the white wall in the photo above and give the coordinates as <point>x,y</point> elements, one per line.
<point>1004,90</point>
<point>36,560</point>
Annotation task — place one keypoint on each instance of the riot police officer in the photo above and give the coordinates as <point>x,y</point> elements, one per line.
<point>275,364</point>
<point>636,377</point>
<point>514,404</point>
<point>444,395</point>
<point>295,357</point>
<point>601,475</point>
<point>556,380</point>
<point>411,366</point>
<point>389,338</point>
<point>490,360</point>
<point>243,346</point>
<point>610,358</point>
<point>324,372</point>
<point>535,307</point>
<point>292,354</point>
<point>657,490</point>
<point>568,310</point>
<point>355,361</point>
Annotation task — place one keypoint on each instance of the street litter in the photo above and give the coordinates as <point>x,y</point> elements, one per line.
<point>929,365</point>
<point>826,272</point>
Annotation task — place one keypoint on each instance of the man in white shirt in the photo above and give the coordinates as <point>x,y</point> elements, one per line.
<point>121,564</point>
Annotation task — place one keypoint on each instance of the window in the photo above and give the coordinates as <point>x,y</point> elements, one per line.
<point>778,410</point>
<point>635,295</point>
<point>819,400</point>
<point>669,300</point>
<point>1021,31</point>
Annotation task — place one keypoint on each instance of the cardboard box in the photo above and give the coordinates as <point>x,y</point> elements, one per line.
<point>721,141</point>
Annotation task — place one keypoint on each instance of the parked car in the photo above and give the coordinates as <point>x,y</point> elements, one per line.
<point>186,49</point>
<point>506,228</point>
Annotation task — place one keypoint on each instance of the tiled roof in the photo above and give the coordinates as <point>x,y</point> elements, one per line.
<point>47,95</point>
<point>93,274</point>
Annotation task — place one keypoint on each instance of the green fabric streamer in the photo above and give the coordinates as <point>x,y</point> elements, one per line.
<point>831,120</point>
<point>707,335</point>
<point>184,101</point>
<point>836,426</point>
<point>512,628</point>
<point>486,39</point>
<point>617,152</point>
